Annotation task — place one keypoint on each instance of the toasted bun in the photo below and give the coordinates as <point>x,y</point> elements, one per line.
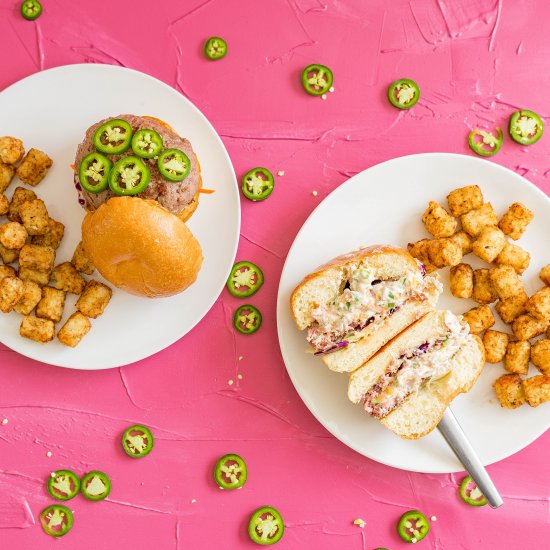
<point>141,248</point>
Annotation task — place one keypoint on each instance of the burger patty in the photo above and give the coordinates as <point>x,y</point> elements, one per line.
<point>174,196</point>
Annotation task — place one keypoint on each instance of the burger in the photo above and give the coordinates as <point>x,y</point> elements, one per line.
<point>139,182</point>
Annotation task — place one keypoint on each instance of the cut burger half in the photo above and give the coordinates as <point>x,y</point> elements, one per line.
<point>358,302</point>
<point>410,382</point>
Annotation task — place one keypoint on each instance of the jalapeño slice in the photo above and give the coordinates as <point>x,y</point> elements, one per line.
<point>137,441</point>
<point>95,485</point>
<point>93,172</point>
<point>31,9</point>
<point>63,485</point>
<point>404,93</point>
<point>470,493</point>
<point>258,184</point>
<point>317,79</point>
<point>230,472</point>
<point>113,137</point>
<point>245,279</point>
<point>413,526</point>
<point>247,319</point>
<point>266,526</point>
<point>129,176</point>
<point>56,520</point>
<point>485,143</point>
<point>147,143</point>
<point>526,127</point>
<point>173,164</point>
<point>215,48</point>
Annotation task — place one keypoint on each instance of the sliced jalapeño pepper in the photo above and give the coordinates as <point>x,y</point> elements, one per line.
<point>266,526</point>
<point>485,143</point>
<point>247,319</point>
<point>56,520</point>
<point>470,493</point>
<point>230,472</point>
<point>137,441</point>
<point>31,9</point>
<point>95,485</point>
<point>173,164</point>
<point>317,79</point>
<point>526,127</point>
<point>413,526</point>
<point>129,176</point>
<point>147,143</point>
<point>113,137</point>
<point>93,172</point>
<point>258,184</point>
<point>63,485</point>
<point>215,48</point>
<point>245,279</point>
<point>404,93</point>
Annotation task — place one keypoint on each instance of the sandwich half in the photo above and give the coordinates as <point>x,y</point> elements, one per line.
<point>358,302</point>
<point>409,383</point>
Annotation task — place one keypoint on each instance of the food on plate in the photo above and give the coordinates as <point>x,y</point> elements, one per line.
<point>438,221</point>
<point>489,243</point>
<point>56,520</point>
<point>245,279</point>
<point>356,303</point>
<point>230,472</point>
<point>11,150</point>
<point>495,344</point>
<point>65,277</point>
<point>137,441</point>
<point>6,175</point>
<point>515,221</point>
<point>258,184</point>
<point>31,9</point>
<point>39,330</point>
<point>469,492</point>
<point>514,256</point>
<point>317,79</point>
<point>107,165</point>
<point>463,240</point>
<point>11,290</point>
<point>526,127</point>
<point>410,382</point>
<point>74,329</point>
<point>215,48</point>
<point>512,307</point>
<point>51,305</point>
<point>32,294</point>
<point>537,389</point>
<point>483,291</point>
<point>475,220</point>
<point>404,93</point>
<point>545,275</point>
<point>159,256</point>
<point>266,526</point>
<point>63,484</point>
<point>516,359</point>
<point>540,355</point>
<point>247,319</point>
<point>81,261</point>
<point>465,199</point>
<point>539,304</point>
<point>8,255</point>
<point>95,485</point>
<point>479,319</point>
<point>34,216</point>
<point>462,281</point>
<point>32,275</point>
<point>7,271</point>
<point>13,235</point>
<point>20,196</point>
<point>526,327</point>
<point>413,526</point>
<point>485,143</point>
<point>53,237</point>
<point>444,252</point>
<point>4,205</point>
<point>37,258</point>
<point>94,299</point>
<point>509,390</point>
<point>505,282</point>
<point>34,167</point>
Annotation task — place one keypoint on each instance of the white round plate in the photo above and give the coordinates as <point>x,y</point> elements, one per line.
<point>384,204</point>
<point>51,111</point>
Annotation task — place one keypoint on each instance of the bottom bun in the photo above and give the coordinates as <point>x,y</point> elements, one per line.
<point>141,248</point>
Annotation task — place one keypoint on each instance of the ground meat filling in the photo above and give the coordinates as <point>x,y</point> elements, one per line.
<point>364,299</point>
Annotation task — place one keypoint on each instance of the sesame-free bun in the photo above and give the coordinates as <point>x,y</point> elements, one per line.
<point>141,248</point>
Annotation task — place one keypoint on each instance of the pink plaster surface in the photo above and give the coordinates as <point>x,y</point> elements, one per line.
<point>476,61</point>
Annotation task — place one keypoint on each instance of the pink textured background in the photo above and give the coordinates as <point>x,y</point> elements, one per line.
<point>475,61</point>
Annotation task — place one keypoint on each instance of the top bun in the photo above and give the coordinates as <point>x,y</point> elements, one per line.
<point>141,248</point>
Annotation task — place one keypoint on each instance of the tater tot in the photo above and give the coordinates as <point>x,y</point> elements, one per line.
<point>76,327</point>
<point>517,356</point>
<point>53,237</point>
<point>13,235</point>
<point>51,305</point>
<point>81,261</point>
<point>32,294</point>
<point>11,290</point>
<point>483,291</point>
<point>489,243</point>
<point>34,216</point>
<point>526,327</point>
<point>509,391</point>
<point>38,277</point>
<point>506,282</point>
<point>7,271</point>
<point>419,250</point>
<point>94,299</point>
<point>464,199</point>
<point>512,307</point>
<point>545,275</point>
<point>463,240</point>
<point>438,221</point>
<point>39,330</point>
<point>462,281</point>
<point>37,258</point>
<point>8,255</point>
<point>444,252</point>
<point>537,389</point>
<point>11,150</point>
<point>34,167</point>
<point>6,176</point>
<point>540,355</point>
<point>20,195</point>
<point>473,222</point>
<point>4,204</point>
<point>515,221</point>
<point>479,319</point>
<point>515,256</point>
<point>65,277</point>
<point>539,304</point>
<point>495,343</point>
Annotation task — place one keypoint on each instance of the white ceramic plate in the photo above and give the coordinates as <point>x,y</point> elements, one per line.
<point>384,204</point>
<point>51,111</point>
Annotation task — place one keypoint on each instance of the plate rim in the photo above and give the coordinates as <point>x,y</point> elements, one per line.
<point>281,306</point>
<point>216,292</point>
